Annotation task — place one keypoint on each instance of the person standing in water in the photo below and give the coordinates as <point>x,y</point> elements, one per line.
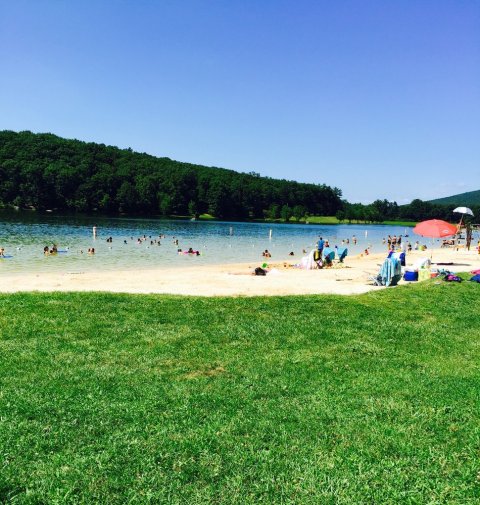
<point>320,245</point>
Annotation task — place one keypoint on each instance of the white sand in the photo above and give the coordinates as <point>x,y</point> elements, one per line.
<point>234,280</point>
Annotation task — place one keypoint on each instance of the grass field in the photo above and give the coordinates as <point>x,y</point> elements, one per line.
<point>324,220</point>
<point>290,400</point>
<point>334,220</point>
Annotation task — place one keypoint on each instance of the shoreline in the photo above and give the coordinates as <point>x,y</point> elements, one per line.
<point>233,279</point>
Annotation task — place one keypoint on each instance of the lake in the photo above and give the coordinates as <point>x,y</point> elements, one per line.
<point>25,234</point>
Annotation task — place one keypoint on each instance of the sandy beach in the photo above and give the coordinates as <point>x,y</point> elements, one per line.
<point>236,279</point>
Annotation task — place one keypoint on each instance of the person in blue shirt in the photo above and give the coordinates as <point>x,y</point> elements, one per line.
<point>320,245</point>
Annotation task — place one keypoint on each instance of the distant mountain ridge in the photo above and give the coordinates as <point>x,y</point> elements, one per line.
<point>463,199</point>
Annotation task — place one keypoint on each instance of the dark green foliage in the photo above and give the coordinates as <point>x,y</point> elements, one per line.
<point>298,400</point>
<point>47,172</point>
<point>417,210</point>
<point>471,198</point>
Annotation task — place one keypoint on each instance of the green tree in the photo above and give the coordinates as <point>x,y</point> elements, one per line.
<point>286,213</point>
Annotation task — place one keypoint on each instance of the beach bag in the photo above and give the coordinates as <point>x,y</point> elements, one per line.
<point>260,271</point>
<point>452,278</point>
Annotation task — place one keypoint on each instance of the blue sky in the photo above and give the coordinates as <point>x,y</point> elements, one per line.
<point>378,98</point>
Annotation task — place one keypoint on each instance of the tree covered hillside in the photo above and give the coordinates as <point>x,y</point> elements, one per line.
<point>464,199</point>
<point>48,172</point>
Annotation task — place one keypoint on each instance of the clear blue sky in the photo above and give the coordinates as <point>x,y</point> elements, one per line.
<point>378,98</point>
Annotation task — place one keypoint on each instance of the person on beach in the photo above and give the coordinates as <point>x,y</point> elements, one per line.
<point>46,251</point>
<point>2,252</point>
<point>266,254</point>
<point>320,245</point>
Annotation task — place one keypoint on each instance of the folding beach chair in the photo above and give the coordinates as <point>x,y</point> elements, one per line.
<point>342,254</point>
<point>390,273</point>
<point>317,258</point>
<point>328,256</point>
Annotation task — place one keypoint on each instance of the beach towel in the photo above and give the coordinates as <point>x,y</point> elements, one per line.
<point>390,272</point>
<point>452,278</point>
<point>308,262</point>
<point>421,263</point>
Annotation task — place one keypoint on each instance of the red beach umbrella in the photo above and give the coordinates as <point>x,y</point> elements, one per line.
<point>435,228</point>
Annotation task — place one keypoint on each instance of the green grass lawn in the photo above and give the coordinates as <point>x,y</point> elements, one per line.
<point>119,399</point>
<point>334,220</point>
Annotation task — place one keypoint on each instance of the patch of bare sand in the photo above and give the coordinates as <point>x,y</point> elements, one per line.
<point>234,280</point>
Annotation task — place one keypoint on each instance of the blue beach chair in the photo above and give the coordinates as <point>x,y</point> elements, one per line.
<point>328,257</point>
<point>342,254</point>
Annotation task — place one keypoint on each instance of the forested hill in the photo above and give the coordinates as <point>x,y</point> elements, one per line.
<point>472,198</point>
<point>45,171</point>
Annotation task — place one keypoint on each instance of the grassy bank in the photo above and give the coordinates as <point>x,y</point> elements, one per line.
<point>152,399</point>
<point>334,220</point>
<point>324,220</point>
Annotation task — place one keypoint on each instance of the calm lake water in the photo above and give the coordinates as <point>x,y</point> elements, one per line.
<point>24,235</point>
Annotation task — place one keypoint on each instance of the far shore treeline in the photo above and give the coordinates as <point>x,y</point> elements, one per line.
<point>44,171</point>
